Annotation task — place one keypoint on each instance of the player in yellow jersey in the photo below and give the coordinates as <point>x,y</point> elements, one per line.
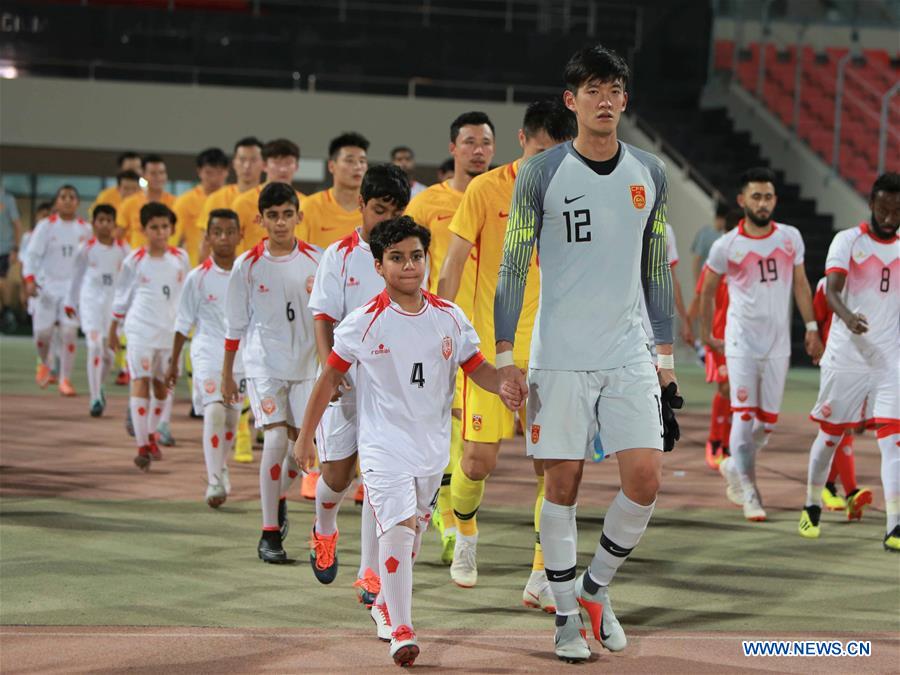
<point>281,157</point>
<point>480,225</point>
<point>472,149</point>
<point>128,215</point>
<point>129,161</point>
<point>248,167</point>
<point>212,170</point>
<point>332,214</point>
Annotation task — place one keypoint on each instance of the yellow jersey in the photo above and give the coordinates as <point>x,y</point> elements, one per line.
<point>326,221</point>
<point>128,217</point>
<point>109,196</point>
<point>220,199</point>
<point>188,208</point>
<point>246,205</point>
<point>481,220</point>
<point>434,208</point>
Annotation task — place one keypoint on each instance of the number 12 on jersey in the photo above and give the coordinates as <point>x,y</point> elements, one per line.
<point>575,221</point>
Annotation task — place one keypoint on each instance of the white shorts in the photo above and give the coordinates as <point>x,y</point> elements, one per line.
<point>336,433</point>
<point>566,409</point>
<point>95,318</point>
<point>207,389</point>
<point>48,309</point>
<point>147,362</point>
<point>848,397</point>
<point>757,385</point>
<point>274,401</point>
<point>397,496</point>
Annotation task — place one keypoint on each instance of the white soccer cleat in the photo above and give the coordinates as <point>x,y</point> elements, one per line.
<point>571,639</point>
<point>733,490</point>
<point>382,621</point>
<point>404,647</point>
<point>753,510</point>
<point>605,625</point>
<point>537,593</point>
<point>464,570</point>
<point>226,480</point>
<point>215,494</point>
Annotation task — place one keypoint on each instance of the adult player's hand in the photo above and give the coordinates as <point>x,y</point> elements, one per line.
<point>31,288</point>
<point>512,386</point>
<point>70,312</point>
<point>670,401</point>
<point>814,346</point>
<point>114,341</point>
<point>305,452</point>
<point>687,333</point>
<point>716,344</point>
<point>229,389</point>
<point>172,376</point>
<point>343,387</point>
<point>857,323</point>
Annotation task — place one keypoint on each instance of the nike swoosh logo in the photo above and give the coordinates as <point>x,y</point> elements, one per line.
<point>533,595</point>
<point>603,636</point>
<point>503,215</point>
<point>444,217</point>
<point>573,199</point>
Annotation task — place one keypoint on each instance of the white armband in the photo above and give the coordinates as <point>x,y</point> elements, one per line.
<point>812,327</point>
<point>504,359</point>
<point>665,361</point>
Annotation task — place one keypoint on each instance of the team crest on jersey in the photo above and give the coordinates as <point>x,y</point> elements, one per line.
<point>638,196</point>
<point>210,298</point>
<point>309,283</point>
<point>263,288</point>
<point>826,411</point>
<point>535,433</point>
<point>145,364</point>
<point>209,386</point>
<point>789,247</point>
<point>476,422</point>
<point>268,405</point>
<point>381,350</point>
<point>447,347</point>
<point>742,394</point>
<point>352,281</point>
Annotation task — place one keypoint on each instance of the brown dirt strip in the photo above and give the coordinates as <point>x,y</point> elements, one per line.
<point>196,650</point>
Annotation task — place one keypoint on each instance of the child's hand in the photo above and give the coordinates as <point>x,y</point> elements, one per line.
<point>172,376</point>
<point>305,452</point>
<point>512,394</point>
<point>343,387</point>
<point>114,342</point>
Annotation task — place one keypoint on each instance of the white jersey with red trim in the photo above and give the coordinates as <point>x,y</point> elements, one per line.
<point>202,306</point>
<point>760,272</point>
<point>406,366</point>
<point>50,256</point>
<point>147,293</point>
<point>96,269</point>
<point>872,288</point>
<point>267,306</point>
<point>346,279</point>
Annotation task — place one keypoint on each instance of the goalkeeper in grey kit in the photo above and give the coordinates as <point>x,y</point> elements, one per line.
<point>596,208</point>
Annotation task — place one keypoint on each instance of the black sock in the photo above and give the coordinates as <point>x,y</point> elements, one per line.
<point>590,586</point>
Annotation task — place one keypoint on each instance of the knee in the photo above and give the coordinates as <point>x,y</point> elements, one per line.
<point>338,475</point>
<point>643,484</point>
<point>562,490</point>
<point>478,466</point>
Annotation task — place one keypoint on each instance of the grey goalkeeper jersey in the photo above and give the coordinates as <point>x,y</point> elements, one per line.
<point>601,243</point>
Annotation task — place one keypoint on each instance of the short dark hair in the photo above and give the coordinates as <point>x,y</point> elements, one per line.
<point>275,194</point>
<point>44,206</point>
<point>128,174</point>
<point>722,209</point>
<point>552,116</point>
<point>447,165</point>
<point>402,148</point>
<point>395,230</point>
<point>595,63</point>
<point>222,213</point>
<point>67,186</point>
<point>128,154</point>
<point>886,182</point>
<point>152,210</point>
<point>212,157</point>
<point>108,209</point>
<point>473,117</point>
<point>152,159</point>
<point>386,181</point>
<point>280,147</point>
<point>248,142</point>
<point>349,139</point>
<point>758,174</point>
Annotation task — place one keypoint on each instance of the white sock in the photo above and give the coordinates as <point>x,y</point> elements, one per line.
<point>559,539</point>
<point>166,415</point>
<point>275,446</point>
<point>139,412</point>
<point>96,360</point>
<point>328,502</point>
<point>289,470</point>
<point>624,525</point>
<point>42,342</point>
<point>820,456</point>
<point>395,566</point>
<point>421,528</point>
<point>761,432</point>
<point>232,417</point>
<point>368,539</point>
<point>890,477</point>
<point>214,444</point>
<point>742,447</point>
<point>156,410</point>
<point>69,336</point>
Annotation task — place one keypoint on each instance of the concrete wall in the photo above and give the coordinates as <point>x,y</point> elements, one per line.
<point>784,33</point>
<point>787,152</point>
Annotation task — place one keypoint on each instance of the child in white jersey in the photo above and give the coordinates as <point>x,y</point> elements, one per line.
<point>48,266</point>
<point>90,297</point>
<point>267,306</point>
<point>202,307</point>
<point>406,346</point>
<point>146,298</point>
<point>345,280</point>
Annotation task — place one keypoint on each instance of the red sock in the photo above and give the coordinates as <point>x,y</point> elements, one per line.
<point>719,416</point>
<point>845,463</point>
<point>833,473</point>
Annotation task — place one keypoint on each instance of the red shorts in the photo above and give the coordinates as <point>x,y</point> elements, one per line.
<point>716,370</point>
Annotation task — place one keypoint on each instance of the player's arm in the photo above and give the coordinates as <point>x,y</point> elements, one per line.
<point>184,322</point>
<point>803,298</point>
<point>74,293</point>
<point>707,308</point>
<point>834,288</point>
<point>656,278</point>
<point>237,318</point>
<point>486,376</point>
<point>332,374</point>
<point>687,332</point>
<point>34,255</point>
<point>125,286</point>
<point>454,264</point>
